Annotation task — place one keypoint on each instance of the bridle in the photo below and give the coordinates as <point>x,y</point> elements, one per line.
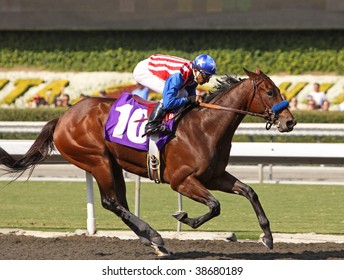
<point>270,114</point>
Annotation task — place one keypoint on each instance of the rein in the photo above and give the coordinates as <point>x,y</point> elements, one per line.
<point>218,107</point>
<point>270,116</point>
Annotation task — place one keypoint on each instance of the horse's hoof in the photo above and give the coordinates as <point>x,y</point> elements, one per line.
<point>232,237</point>
<point>160,251</point>
<point>268,242</point>
<point>180,215</point>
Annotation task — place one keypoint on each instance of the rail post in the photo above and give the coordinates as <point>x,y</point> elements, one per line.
<point>91,217</point>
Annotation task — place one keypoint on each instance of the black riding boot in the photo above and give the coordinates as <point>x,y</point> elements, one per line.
<point>154,122</point>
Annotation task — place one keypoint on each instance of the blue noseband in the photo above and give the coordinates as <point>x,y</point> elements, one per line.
<point>279,107</point>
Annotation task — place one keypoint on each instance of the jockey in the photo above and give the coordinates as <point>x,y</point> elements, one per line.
<point>176,78</point>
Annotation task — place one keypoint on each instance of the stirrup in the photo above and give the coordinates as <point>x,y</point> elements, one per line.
<point>163,130</point>
<point>151,131</point>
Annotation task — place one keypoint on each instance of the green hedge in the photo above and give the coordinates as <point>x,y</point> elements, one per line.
<point>30,114</point>
<point>292,52</point>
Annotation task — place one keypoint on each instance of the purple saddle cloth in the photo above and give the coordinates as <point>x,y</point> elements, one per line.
<point>126,124</point>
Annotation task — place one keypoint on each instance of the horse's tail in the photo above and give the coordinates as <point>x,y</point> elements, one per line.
<point>37,153</point>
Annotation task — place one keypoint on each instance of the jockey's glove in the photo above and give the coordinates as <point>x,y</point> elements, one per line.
<point>192,99</point>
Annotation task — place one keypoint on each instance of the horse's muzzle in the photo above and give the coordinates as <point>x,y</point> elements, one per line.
<point>291,124</point>
<point>287,126</point>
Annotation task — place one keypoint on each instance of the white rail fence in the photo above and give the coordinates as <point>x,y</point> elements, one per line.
<point>301,129</point>
<point>241,153</point>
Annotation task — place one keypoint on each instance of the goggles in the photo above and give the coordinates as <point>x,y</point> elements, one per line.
<point>206,76</point>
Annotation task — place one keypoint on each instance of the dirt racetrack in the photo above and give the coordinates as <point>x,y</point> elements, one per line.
<point>19,247</point>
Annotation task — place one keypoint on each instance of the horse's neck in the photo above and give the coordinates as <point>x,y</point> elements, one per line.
<point>237,98</point>
<point>215,128</point>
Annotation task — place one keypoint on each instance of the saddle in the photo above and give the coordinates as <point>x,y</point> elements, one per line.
<point>149,104</point>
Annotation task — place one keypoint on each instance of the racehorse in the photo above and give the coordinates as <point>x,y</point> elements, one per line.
<point>194,159</point>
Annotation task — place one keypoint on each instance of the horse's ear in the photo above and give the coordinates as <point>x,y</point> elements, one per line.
<point>252,75</point>
<point>258,71</point>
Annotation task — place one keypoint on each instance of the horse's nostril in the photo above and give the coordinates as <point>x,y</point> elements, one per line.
<point>291,124</point>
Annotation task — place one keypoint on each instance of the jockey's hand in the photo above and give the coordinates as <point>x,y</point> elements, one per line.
<point>200,98</point>
<point>191,99</point>
<point>194,99</point>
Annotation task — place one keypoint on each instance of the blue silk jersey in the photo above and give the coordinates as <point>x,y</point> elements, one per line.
<point>173,84</point>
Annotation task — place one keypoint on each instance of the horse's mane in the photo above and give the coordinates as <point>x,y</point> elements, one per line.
<point>223,85</point>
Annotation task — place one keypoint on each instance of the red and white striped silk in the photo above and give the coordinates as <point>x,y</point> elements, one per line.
<point>164,66</point>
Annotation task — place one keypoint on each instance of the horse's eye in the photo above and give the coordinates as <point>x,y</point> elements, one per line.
<point>271,92</point>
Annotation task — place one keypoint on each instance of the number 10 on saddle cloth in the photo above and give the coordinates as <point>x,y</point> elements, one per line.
<point>124,125</point>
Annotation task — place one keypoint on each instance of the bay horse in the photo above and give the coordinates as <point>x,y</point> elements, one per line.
<point>194,160</point>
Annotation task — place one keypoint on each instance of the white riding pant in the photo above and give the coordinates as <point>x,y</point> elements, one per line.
<point>145,77</point>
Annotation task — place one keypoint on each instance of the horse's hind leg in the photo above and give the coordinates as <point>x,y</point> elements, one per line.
<point>230,184</point>
<point>113,195</point>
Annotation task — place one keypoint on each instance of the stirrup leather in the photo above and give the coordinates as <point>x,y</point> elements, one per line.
<point>153,160</point>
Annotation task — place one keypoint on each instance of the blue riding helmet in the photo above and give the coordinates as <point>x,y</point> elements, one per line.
<point>205,64</point>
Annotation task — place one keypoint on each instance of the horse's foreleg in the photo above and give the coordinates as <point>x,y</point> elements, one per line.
<point>193,189</point>
<point>230,184</point>
<point>250,194</point>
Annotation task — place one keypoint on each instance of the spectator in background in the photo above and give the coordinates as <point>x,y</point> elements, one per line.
<point>311,105</point>
<point>325,105</point>
<point>38,101</point>
<point>58,102</point>
<point>293,104</point>
<point>65,100</point>
<point>141,91</point>
<point>317,96</point>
